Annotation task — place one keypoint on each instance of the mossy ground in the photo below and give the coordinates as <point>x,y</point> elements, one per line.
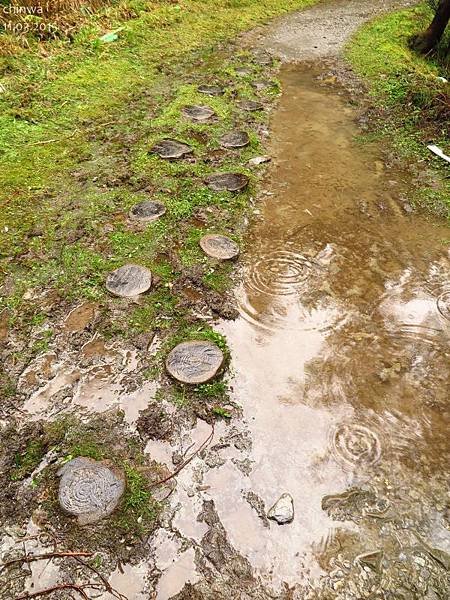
<point>414,104</point>
<point>78,117</point>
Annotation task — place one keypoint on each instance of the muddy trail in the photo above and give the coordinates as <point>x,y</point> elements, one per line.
<point>332,481</point>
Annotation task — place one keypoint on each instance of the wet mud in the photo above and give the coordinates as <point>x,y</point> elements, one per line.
<point>340,363</point>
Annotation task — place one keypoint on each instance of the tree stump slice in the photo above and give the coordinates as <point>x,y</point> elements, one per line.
<point>90,490</point>
<point>231,182</point>
<point>211,90</point>
<point>147,211</point>
<point>198,113</point>
<point>129,281</point>
<point>250,105</point>
<point>262,85</point>
<point>242,71</point>
<point>262,58</point>
<point>443,304</point>
<point>235,139</point>
<point>169,148</point>
<point>219,246</point>
<point>194,362</point>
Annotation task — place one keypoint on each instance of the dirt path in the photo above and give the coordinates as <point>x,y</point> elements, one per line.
<point>323,30</point>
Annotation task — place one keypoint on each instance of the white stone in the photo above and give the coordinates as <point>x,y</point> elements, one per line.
<point>283,510</point>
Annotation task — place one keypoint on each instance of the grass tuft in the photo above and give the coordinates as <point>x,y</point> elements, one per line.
<point>405,86</point>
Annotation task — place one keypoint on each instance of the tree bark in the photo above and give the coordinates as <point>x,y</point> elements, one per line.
<point>427,40</point>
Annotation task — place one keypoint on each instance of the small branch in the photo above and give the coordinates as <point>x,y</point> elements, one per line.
<point>186,462</point>
<point>56,588</point>
<point>33,557</point>
<point>103,579</point>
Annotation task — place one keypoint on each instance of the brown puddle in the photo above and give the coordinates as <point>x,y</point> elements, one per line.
<point>340,356</point>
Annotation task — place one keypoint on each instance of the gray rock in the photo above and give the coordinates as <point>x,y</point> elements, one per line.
<point>283,510</point>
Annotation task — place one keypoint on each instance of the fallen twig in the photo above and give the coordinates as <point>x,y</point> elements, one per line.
<point>186,462</point>
<point>56,588</point>
<point>105,585</point>
<point>33,557</point>
<point>105,582</point>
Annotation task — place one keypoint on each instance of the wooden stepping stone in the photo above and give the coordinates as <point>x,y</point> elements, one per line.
<point>129,281</point>
<point>262,85</point>
<point>263,58</point>
<point>90,490</point>
<point>211,90</point>
<point>235,139</point>
<point>242,71</point>
<point>168,148</point>
<point>198,113</point>
<point>147,211</point>
<point>443,304</point>
<point>219,246</point>
<point>194,362</point>
<point>250,105</point>
<point>231,182</point>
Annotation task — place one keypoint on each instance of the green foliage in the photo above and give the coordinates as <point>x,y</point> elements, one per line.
<point>156,312</point>
<point>406,86</point>
<point>25,462</point>
<point>216,389</point>
<point>139,509</point>
<point>221,412</point>
<point>433,4</point>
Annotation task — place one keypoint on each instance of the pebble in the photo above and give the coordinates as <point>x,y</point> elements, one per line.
<point>283,510</point>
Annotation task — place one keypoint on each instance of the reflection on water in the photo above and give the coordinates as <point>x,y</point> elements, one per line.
<point>340,363</point>
<point>340,356</point>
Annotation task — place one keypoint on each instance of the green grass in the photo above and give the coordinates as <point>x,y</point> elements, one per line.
<point>78,119</point>
<point>406,88</point>
<point>139,510</point>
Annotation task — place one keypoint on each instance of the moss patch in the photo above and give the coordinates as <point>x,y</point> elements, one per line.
<point>101,439</point>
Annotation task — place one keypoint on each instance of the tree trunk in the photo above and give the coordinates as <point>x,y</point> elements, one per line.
<point>426,41</point>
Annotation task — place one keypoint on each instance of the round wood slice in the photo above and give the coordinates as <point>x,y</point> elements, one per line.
<point>262,85</point>
<point>198,113</point>
<point>250,105</point>
<point>235,139</point>
<point>219,246</point>
<point>262,58</point>
<point>147,211</point>
<point>194,362</point>
<point>211,90</point>
<point>129,281</point>
<point>242,71</point>
<point>443,304</point>
<point>232,182</point>
<point>89,489</point>
<point>171,149</point>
